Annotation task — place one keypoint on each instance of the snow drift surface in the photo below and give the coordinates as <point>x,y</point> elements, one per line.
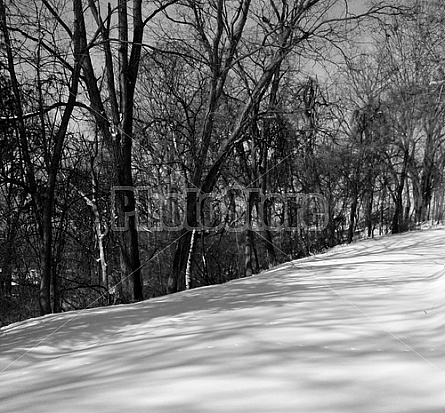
<point>359,329</point>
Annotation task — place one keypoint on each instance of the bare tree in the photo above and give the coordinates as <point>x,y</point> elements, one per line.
<point>43,197</point>
<point>280,28</point>
<point>113,111</point>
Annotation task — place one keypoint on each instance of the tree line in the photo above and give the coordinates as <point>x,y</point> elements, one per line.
<point>149,147</point>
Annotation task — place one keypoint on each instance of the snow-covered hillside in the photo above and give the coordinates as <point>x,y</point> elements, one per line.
<point>360,329</point>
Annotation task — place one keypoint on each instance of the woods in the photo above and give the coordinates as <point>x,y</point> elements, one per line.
<point>145,141</point>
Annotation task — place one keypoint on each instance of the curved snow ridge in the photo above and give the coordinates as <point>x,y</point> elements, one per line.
<point>359,330</point>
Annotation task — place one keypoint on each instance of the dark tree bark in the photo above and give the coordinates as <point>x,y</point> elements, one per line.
<point>397,220</point>
<point>248,233</point>
<point>352,215</point>
<point>115,120</point>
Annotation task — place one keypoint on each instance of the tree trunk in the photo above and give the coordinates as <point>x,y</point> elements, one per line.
<point>368,213</point>
<point>130,275</point>
<point>263,214</point>
<point>175,279</point>
<point>397,221</point>
<point>352,215</point>
<point>179,262</point>
<point>406,217</point>
<point>248,243</point>
<point>8,256</point>
<point>398,212</point>
<point>188,271</point>
<point>248,253</point>
<point>117,129</point>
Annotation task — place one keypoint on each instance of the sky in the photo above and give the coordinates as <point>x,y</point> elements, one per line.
<point>359,329</point>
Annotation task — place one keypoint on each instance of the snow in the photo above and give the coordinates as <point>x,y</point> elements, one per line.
<point>359,329</point>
